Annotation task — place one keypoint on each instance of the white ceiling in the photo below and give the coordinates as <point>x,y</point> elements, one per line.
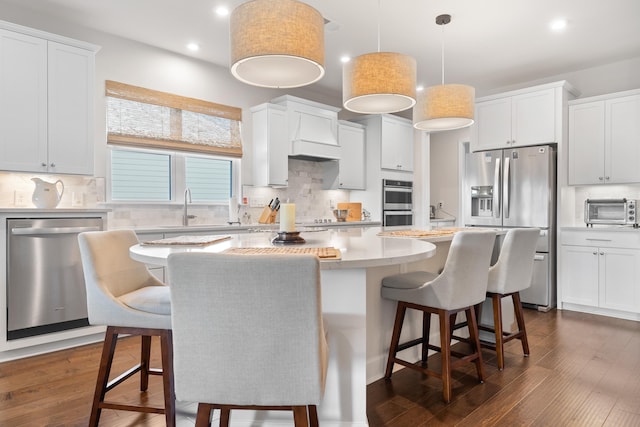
<point>488,44</point>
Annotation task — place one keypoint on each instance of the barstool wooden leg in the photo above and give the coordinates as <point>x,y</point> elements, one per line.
<point>395,338</point>
<point>517,307</point>
<point>145,356</point>
<point>204,415</point>
<point>497,324</point>
<point>313,416</point>
<point>426,329</point>
<point>300,416</point>
<point>108,349</point>
<point>472,321</point>
<point>166,350</point>
<point>445,347</point>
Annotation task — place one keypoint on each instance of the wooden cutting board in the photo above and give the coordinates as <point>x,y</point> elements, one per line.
<point>355,212</point>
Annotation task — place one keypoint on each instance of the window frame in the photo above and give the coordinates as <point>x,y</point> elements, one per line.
<point>178,176</point>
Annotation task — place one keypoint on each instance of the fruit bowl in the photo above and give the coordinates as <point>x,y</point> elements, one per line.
<point>341,214</point>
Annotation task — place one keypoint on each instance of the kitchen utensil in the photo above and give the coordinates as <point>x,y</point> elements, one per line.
<point>46,194</point>
<point>341,214</point>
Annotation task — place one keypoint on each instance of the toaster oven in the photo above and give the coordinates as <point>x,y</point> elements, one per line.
<point>611,212</point>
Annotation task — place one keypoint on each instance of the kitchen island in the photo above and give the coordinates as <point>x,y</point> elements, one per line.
<point>357,320</point>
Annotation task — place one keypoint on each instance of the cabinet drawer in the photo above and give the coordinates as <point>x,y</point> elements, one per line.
<point>606,239</point>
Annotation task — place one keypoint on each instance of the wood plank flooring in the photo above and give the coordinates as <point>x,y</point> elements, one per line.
<point>584,370</point>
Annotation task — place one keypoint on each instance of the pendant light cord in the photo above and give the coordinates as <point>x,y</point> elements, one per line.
<point>379,7</point>
<point>442,51</point>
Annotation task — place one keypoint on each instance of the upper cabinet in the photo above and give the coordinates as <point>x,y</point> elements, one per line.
<point>46,102</point>
<point>270,145</point>
<point>392,138</point>
<point>529,116</point>
<point>604,135</point>
<point>349,172</point>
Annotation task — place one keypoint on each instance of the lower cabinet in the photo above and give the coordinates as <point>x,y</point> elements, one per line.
<point>603,275</point>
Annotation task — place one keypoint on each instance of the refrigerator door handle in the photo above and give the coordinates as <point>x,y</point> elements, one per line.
<point>505,187</point>
<point>497,202</point>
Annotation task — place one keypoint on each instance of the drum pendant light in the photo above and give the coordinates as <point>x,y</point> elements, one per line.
<point>382,82</point>
<point>277,43</point>
<point>444,107</point>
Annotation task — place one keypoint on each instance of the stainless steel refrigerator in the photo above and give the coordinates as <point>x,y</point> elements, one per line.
<point>516,187</point>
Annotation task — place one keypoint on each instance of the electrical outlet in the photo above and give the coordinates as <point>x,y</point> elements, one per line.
<point>441,205</point>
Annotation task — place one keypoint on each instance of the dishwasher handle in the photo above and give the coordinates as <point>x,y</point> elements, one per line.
<point>31,231</point>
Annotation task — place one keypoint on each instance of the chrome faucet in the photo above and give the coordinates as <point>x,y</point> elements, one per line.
<point>185,216</point>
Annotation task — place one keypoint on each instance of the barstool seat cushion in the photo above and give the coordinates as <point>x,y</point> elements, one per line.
<point>150,299</point>
<point>410,280</point>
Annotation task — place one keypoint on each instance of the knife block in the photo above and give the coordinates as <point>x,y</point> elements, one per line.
<point>268,216</point>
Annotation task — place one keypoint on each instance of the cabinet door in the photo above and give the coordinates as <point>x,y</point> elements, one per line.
<point>70,99</point>
<point>396,149</point>
<point>620,279</point>
<point>579,275</point>
<point>493,124</point>
<point>352,158</point>
<point>270,147</point>
<point>23,102</point>
<point>586,143</point>
<point>533,118</point>
<point>622,140</point>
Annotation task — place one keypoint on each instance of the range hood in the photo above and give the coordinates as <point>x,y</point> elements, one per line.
<point>313,129</point>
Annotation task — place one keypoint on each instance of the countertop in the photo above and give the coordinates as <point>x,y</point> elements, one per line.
<point>603,228</point>
<point>52,211</point>
<point>225,228</point>
<point>360,247</point>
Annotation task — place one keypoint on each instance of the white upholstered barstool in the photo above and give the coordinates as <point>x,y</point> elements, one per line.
<point>511,274</point>
<point>123,295</point>
<point>459,287</point>
<point>248,333</point>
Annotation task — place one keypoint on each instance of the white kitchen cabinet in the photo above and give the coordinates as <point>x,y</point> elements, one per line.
<point>396,144</point>
<point>349,172</point>
<point>525,117</point>
<point>270,145</point>
<point>603,139</point>
<point>600,272</point>
<point>46,101</point>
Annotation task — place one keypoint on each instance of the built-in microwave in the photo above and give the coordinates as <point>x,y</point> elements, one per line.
<point>397,195</point>
<point>611,212</point>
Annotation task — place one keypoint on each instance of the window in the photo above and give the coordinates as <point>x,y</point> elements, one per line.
<point>162,144</point>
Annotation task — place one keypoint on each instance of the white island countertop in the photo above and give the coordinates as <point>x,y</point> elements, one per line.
<point>360,247</point>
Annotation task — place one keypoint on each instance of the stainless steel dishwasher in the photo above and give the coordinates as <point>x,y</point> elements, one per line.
<point>45,282</point>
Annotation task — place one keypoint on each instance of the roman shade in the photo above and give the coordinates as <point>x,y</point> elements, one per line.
<point>141,117</point>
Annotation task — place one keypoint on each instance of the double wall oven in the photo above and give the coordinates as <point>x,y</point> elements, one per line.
<point>397,202</point>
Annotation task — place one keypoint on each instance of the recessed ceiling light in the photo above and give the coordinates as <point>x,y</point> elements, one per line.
<point>345,59</point>
<point>558,24</point>
<point>193,47</point>
<point>420,88</point>
<point>222,11</point>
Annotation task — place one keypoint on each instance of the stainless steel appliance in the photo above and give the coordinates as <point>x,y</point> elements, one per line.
<point>516,187</point>
<point>45,283</point>
<point>611,212</point>
<point>397,202</point>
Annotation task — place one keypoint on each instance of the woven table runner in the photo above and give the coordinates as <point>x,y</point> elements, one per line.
<point>421,233</point>
<point>186,240</point>
<point>324,253</point>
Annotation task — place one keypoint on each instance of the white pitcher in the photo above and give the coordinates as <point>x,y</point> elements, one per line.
<point>46,194</point>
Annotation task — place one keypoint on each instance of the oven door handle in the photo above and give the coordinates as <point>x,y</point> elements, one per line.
<point>31,231</point>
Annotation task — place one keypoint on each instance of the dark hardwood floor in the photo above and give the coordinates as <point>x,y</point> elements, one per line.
<point>584,370</point>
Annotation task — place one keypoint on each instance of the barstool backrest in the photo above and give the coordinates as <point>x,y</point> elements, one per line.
<point>463,281</point>
<point>109,273</point>
<point>247,329</point>
<point>514,268</point>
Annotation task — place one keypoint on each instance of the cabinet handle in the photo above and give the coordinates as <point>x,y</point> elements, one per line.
<point>598,240</point>
<point>43,164</point>
<point>601,253</point>
<point>600,178</point>
<point>607,178</point>
<point>595,253</point>
<point>53,165</point>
